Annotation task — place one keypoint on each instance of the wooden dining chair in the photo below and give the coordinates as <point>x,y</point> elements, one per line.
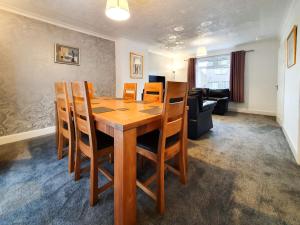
<point>90,143</point>
<point>153,92</point>
<point>91,90</point>
<point>65,127</point>
<point>130,90</point>
<point>161,145</point>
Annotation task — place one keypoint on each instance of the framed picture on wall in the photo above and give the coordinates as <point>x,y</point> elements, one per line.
<point>136,66</point>
<point>292,47</point>
<point>67,55</point>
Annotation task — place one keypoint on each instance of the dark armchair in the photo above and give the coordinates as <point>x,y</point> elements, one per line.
<point>199,115</point>
<point>221,96</point>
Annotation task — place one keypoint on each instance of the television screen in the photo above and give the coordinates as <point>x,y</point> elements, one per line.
<point>153,78</point>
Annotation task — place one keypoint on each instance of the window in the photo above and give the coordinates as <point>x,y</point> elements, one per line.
<point>213,72</point>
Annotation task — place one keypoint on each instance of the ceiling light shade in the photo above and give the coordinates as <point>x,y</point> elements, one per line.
<point>202,51</point>
<point>172,37</point>
<point>117,10</point>
<point>179,28</point>
<point>179,42</point>
<point>206,23</point>
<point>206,34</point>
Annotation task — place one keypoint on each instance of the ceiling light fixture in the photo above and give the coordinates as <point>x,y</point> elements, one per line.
<point>206,23</point>
<point>179,28</point>
<point>209,33</point>
<point>172,37</point>
<point>117,10</point>
<point>202,51</point>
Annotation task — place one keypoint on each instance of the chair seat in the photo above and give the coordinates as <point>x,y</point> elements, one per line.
<point>103,140</point>
<point>150,140</point>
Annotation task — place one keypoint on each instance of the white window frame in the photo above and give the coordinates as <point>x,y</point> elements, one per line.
<point>204,81</point>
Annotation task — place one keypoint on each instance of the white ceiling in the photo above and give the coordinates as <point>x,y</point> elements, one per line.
<point>230,22</point>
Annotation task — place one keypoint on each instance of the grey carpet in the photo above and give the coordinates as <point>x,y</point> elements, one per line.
<point>242,172</point>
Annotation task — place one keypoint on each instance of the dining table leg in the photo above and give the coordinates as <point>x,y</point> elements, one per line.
<point>125,177</point>
<point>185,141</point>
<point>56,124</point>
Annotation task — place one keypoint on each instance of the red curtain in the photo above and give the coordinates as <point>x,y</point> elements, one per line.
<point>237,76</point>
<point>191,73</point>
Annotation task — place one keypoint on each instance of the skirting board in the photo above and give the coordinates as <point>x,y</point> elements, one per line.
<point>292,147</point>
<point>279,121</point>
<point>26,135</point>
<point>243,110</point>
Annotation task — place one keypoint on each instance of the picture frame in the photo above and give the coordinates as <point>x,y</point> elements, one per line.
<point>64,54</point>
<point>136,66</point>
<point>292,48</point>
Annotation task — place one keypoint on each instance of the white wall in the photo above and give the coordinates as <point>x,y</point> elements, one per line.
<point>28,71</point>
<point>289,97</point>
<point>154,64</point>
<point>260,77</point>
<point>180,62</point>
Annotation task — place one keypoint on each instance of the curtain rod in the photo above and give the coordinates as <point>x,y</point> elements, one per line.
<point>252,50</point>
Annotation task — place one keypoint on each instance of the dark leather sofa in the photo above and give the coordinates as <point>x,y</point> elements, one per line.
<point>221,96</point>
<point>199,114</point>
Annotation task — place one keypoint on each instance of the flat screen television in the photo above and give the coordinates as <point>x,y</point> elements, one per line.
<point>154,78</point>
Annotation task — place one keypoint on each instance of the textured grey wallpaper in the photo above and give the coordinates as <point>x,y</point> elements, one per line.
<point>28,71</point>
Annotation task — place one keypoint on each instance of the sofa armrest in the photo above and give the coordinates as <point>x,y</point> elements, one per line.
<point>222,106</point>
<point>209,105</point>
<point>193,104</point>
<point>218,99</point>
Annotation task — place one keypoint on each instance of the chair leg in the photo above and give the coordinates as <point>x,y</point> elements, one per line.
<point>182,167</point>
<point>71,156</point>
<point>60,146</point>
<point>56,124</point>
<point>160,203</point>
<point>93,181</point>
<point>77,162</point>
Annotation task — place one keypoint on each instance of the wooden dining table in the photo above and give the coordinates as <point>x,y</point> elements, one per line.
<point>124,120</point>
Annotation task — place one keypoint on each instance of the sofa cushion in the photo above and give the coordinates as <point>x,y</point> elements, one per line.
<point>219,93</point>
<point>204,91</point>
<point>195,92</point>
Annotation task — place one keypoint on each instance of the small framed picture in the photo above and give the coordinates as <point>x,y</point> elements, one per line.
<point>67,55</point>
<point>136,66</point>
<point>292,47</point>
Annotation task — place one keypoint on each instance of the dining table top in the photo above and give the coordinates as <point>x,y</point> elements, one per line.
<point>125,114</point>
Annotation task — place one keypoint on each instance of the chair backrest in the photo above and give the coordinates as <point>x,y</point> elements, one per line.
<point>63,108</point>
<point>130,90</point>
<point>173,111</point>
<point>91,90</point>
<point>83,118</point>
<point>153,92</point>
